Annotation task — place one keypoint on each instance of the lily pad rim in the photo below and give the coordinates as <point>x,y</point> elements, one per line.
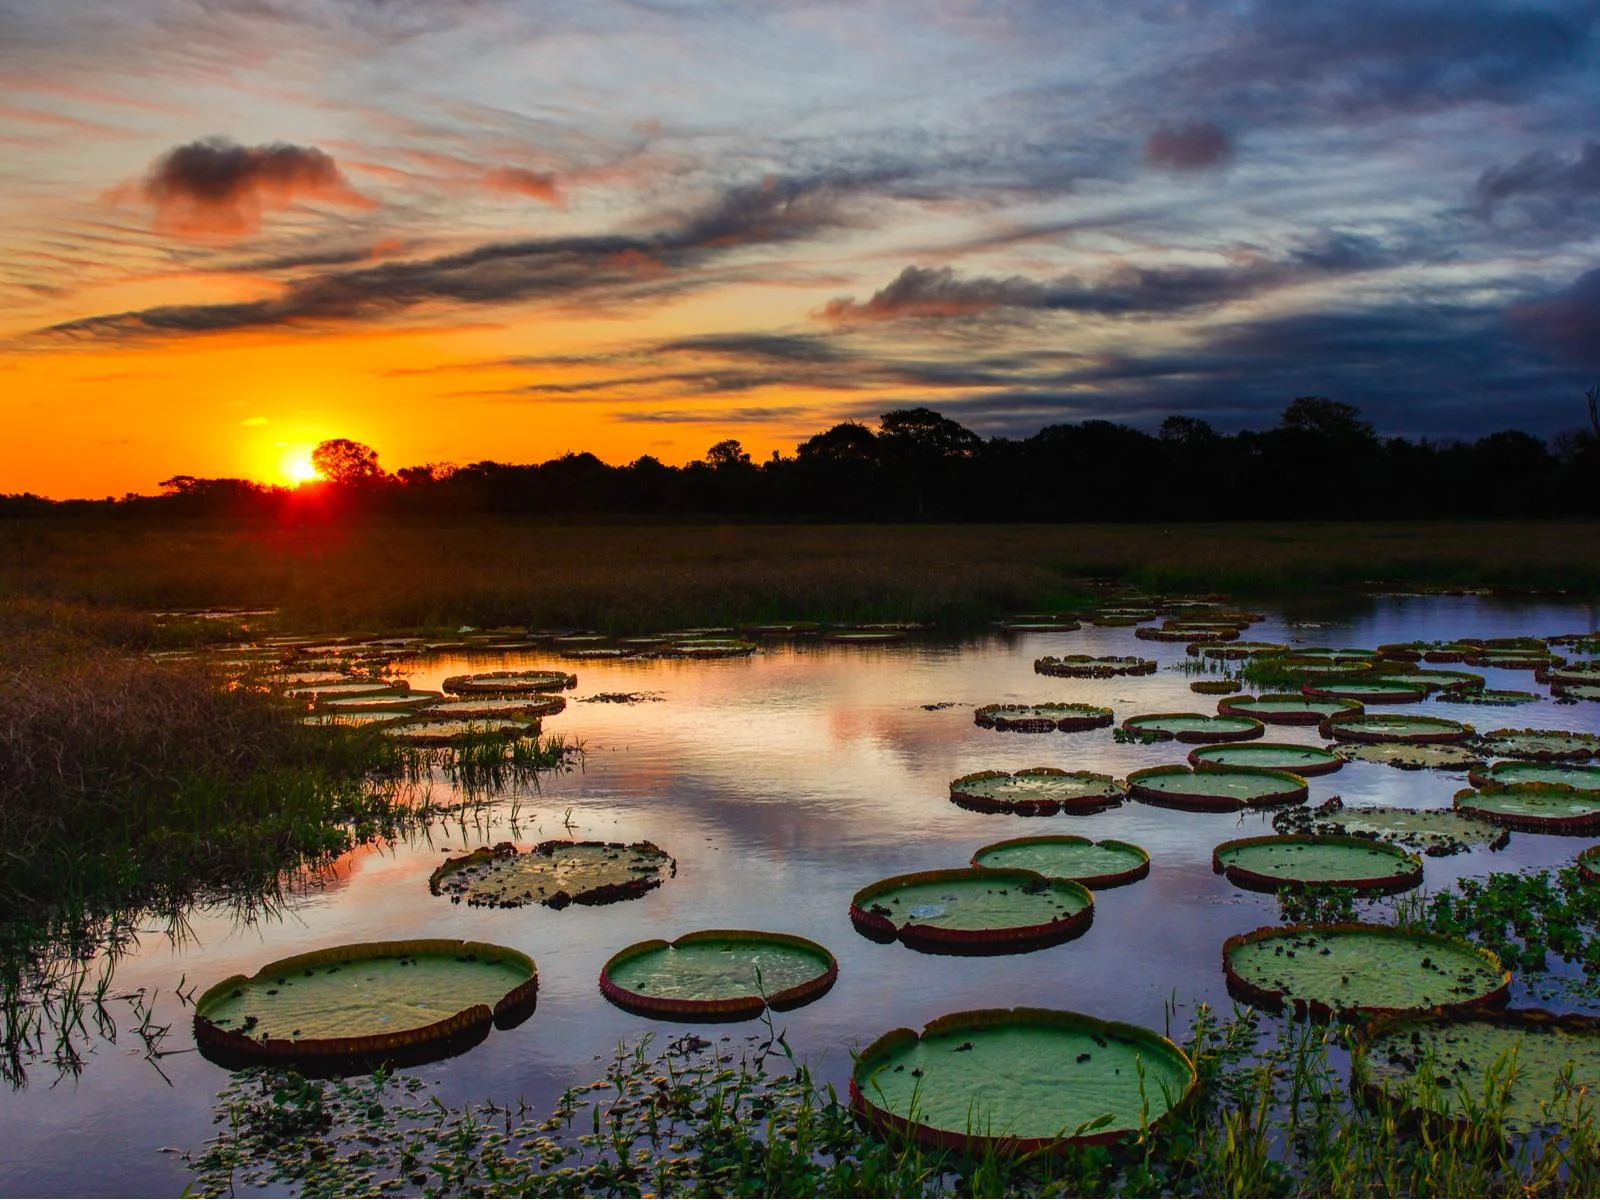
<point>730,1008</point>
<point>1400,880</point>
<point>957,941</point>
<point>1109,880</point>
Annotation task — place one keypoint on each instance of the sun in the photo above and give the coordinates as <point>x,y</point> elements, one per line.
<point>295,465</point>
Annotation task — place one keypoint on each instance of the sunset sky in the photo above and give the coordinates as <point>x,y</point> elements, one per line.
<point>495,229</point>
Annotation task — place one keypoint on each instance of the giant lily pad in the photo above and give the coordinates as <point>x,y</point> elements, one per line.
<point>1265,864</point>
<point>1411,756</point>
<point>1287,708</point>
<point>1214,687</point>
<point>718,974</point>
<point>424,729</point>
<point>407,1001</point>
<point>1370,727</point>
<point>1197,634</point>
<point>1324,971</point>
<point>1092,666</point>
<point>972,911</point>
<point>1193,727</point>
<point>554,874</point>
<point>1534,809</point>
<point>708,648</point>
<point>1094,864</point>
<point>1489,697</point>
<point>1368,691</point>
<point>1575,691</point>
<point>1577,673</point>
<point>1038,791</point>
<point>1436,832</point>
<point>1538,774</point>
<point>865,637</point>
<point>347,687</point>
<point>1218,790</point>
<point>1270,756</point>
<point>1233,651</point>
<point>1535,1066</point>
<point>1021,1080</point>
<point>1548,745</point>
<point>491,708</point>
<point>509,683</point>
<point>1042,718</point>
<point>379,700</point>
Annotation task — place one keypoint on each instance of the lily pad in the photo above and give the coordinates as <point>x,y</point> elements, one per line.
<point>1038,791</point>
<point>479,708</point>
<point>555,874</point>
<point>1233,651</point>
<point>1042,718</point>
<point>426,730</point>
<point>509,683</point>
<point>1537,774</point>
<point>1041,623</point>
<point>1214,687</point>
<point>1534,809</point>
<point>1265,864</point>
<point>1197,634</point>
<point>346,687</point>
<point>1589,865</point>
<point>718,974</point>
<point>1023,1080</point>
<point>1215,790</point>
<point>1287,708</point>
<point>406,701</point>
<point>1337,655</point>
<point>1368,691</point>
<point>1436,832</point>
<point>1536,1064</point>
<point>1410,756</point>
<point>1575,691</point>
<point>1326,971</point>
<point>708,648</point>
<point>1092,666</point>
<point>1304,761</point>
<point>865,637</point>
<point>363,717</point>
<point>1490,697</point>
<point>1194,727</point>
<point>410,1001</point>
<point>972,911</point>
<point>1545,745</point>
<point>1369,727</point>
<point>1105,864</point>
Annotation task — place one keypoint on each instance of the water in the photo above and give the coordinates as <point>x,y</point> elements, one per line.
<point>781,784</point>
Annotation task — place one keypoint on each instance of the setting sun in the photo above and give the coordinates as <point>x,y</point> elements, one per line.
<point>295,465</point>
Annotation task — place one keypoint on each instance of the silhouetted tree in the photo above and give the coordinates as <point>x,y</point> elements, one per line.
<point>347,464</point>
<point>726,454</point>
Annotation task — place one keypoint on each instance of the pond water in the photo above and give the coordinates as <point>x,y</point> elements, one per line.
<point>782,784</point>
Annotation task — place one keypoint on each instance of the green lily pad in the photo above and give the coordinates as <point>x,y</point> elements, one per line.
<point>1576,673</point>
<point>1534,809</point>
<point>1575,691</point>
<point>346,688</point>
<point>1215,790</point>
<point>1541,744</point>
<point>1266,864</point>
<point>1042,718</point>
<point>1194,727</point>
<point>707,648</point>
<point>1094,864</point>
<point>1287,708</point>
<point>480,708</point>
<point>1269,756</point>
<point>1491,697</point>
<point>1233,651</point>
<point>1538,774</point>
<point>509,683</point>
<point>423,729</point>
<point>1093,666</point>
<point>1199,634</point>
<point>1436,832</point>
<point>1369,691</point>
<point>1214,687</point>
<point>407,701</point>
<point>1412,756</point>
<point>1021,1079</point>
<point>1038,791</point>
<point>555,874</point>
<point>718,974</point>
<point>1531,1067</point>
<point>1388,727</point>
<point>972,911</point>
<point>1326,971</point>
<point>375,999</point>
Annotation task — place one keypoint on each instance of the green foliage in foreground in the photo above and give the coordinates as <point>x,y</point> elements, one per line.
<point>1273,1116</point>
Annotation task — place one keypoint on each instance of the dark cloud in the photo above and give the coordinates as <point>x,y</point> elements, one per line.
<point>520,181</point>
<point>1196,146</point>
<point>1373,55</point>
<point>936,292</point>
<point>604,269</point>
<point>1543,179</point>
<point>218,188</point>
<point>714,416</point>
<point>1569,321</point>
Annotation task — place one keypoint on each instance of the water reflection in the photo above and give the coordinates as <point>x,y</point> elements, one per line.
<point>781,784</point>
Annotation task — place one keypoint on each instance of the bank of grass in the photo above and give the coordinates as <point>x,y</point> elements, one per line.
<point>343,577</point>
<point>1273,1115</point>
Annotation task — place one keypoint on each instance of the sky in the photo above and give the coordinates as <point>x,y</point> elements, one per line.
<point>498,229</point>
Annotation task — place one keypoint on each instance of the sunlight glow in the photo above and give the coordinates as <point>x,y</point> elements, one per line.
<point>295,465</point>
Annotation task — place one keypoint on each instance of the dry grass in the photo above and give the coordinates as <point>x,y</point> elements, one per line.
<point>640,577</point>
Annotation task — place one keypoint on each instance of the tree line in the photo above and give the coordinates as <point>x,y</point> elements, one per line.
<point>1321,461</point>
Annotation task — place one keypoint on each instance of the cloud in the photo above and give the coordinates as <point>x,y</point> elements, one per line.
<point>519,181</point>
<point>1196,146</point>
<point>1543,177</point>
<point>217,188</point>
<point>1569,321</point>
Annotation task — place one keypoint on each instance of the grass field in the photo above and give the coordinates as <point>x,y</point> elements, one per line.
<point>643,577</point>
